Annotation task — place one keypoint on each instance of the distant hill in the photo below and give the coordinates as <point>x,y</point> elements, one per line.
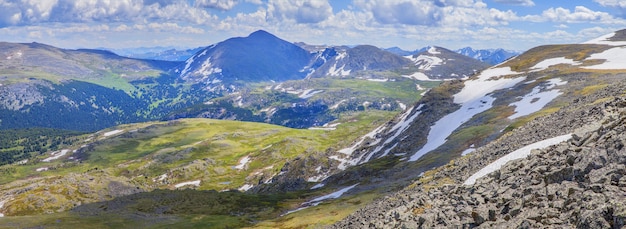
<point>438,63</point>
<point>489,56</point>
<point>85,89</point>
<point>158,53</point>
<point>339,62</point>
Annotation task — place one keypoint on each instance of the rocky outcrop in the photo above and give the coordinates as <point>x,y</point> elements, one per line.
<point>578,183</point>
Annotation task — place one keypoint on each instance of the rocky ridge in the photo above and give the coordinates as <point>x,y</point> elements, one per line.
<point>578,183</point>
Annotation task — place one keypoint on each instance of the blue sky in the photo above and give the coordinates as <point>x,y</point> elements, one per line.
<point>408,24</point>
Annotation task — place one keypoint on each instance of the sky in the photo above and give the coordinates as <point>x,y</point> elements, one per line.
<point>408,24</point>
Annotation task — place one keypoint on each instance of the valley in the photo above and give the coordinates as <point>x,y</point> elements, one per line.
<point>259,132</point>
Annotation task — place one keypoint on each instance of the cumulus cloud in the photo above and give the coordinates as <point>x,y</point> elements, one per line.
<point>408,12</point>
<point>612,3</point>
<point>216,4</point>
<point>31,12</point>
<point>302,11</point>
<point>618,4</point>
<point>580,14</point>
<point>517,2</point>
<point>442,13</point>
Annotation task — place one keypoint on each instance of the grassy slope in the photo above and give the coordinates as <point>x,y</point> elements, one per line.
<point>186,150</point>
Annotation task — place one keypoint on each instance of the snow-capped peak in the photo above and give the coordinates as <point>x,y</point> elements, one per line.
<point>433,50</point>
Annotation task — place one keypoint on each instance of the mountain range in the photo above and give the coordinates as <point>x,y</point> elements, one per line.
<point>489,56</point>
<point>44,86</point>
<point>433,139</point>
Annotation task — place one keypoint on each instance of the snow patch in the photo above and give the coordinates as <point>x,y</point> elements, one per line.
<point>319,200</point>
<point>160,178</point>
<point>189,62</point>
<point>114,132</point>
<point>545,64</point>
<point>486,83</point>
<point>402,105</point>
<point>333,195</point>
<point>426,63</point>
<point>245,187</point>
<point>419,76</point>
<point>207,68</point>
<point>399,128</point>
<point>41,169</point>
<point>56,155</point>
<point>433,50</point>
<point>322,128</point>
<point>320,185</point>
<point>336,105</point>
<point>371,135</point>
<point>194,183</point>
<point>309,93</point>
<point>474,98</point>
<point>603,40</point>
<point>468,150</point>
<point>614,59</point>
<point>2,205</point>
<point>22,162</point>
<point>378,80</point>
<point>242,163</point>
<point>517,154</point>
<point>537,99</point>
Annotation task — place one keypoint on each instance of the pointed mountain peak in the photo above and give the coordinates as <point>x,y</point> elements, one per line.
<point>260,33</point>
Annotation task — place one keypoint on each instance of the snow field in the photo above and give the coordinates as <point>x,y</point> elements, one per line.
<point>474,99</point>
<point>517,154</point>
<point>194,183</point>
<point>319,200</point>
<point>614,59</point>
<point>537,99</point>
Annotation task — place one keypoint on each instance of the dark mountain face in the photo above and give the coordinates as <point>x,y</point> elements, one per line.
<point>440,63</point>
<point>359,58</point>
<point>259,57</point>
<point>372,58</point>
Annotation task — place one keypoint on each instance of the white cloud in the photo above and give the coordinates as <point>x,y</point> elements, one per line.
<point>173,28</point>
<point>612,3</point>
<point>618,4</point>
<point>517,2</point>
<point>300,11</point>
<point>407,12</point>
<point>216,4</point>
<point>580,14</point>
<point>440,13</point>
<point>29,12</point>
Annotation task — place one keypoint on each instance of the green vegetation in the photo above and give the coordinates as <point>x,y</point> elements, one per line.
<point>22,144</point>
<point>163,209</point>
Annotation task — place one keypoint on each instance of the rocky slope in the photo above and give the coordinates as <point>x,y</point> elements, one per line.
<point>562,183</point>
<point>577,183</point>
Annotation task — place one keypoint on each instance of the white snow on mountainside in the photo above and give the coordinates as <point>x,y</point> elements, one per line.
<point>517,154</point>
<point>603,40</point>
<point>545,64</point>
<point>474,98</point>
<point>614,59</point>
<point>539,97</point>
